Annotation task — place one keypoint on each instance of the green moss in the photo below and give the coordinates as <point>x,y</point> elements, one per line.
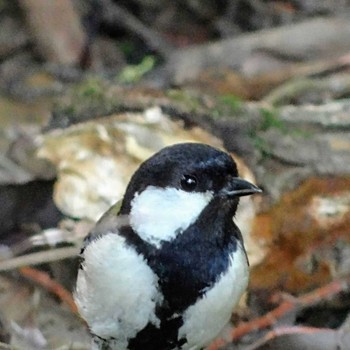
<point>233,102</point>
<point>127,48</point>
<point>302,133</point>
<point>190,102</point>
<point>70,110</point>
<point>89,98</point>
<point>92,87</point>
<point>270,120</point>
<point>89,91</point>
<point>133,73</point>
<point>227,105</point>
<point>261,145</point>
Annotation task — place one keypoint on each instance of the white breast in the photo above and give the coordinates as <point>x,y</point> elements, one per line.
<point>116,290</point>
<point>204,320</point>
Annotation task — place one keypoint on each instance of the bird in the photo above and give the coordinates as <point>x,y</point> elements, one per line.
<point>164,270</point>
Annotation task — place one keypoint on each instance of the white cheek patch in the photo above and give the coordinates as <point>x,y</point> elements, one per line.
<point>160,214</point>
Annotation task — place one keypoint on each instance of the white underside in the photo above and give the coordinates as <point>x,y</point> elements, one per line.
<point>116,291</point>
<point>204,320</point>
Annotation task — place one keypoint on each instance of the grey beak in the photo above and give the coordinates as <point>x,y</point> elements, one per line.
<point>238,187</point>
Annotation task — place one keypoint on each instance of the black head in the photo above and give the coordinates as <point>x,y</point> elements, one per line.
<point>192,167</point>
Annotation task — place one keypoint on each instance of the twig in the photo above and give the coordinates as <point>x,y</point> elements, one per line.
<point>326,292</point>
<point>39,258</point>
<point>331,116</point>
<point>75,346</point>
<point>72,346</point>
<point>115,13</point>
<point>280,331</point>
<point>335,85</point>
<point>293,330</point>
<point>186,64</point>
<point>44,280</point>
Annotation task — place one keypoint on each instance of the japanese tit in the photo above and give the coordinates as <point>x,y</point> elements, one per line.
<point>165,270</point>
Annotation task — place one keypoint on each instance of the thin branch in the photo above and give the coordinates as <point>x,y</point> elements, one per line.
<point>39,258</point>
<point>114,13</point>
<point>334,85</point>
<point>281,331</point>
<point>71,346</point>
<point>44,280</point>
<point>74,346</point>
<point>291,305</point>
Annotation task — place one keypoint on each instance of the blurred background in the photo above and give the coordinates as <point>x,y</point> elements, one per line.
<point>91,88</point>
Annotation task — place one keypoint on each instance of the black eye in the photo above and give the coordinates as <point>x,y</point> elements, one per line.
<point>188,183</point>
